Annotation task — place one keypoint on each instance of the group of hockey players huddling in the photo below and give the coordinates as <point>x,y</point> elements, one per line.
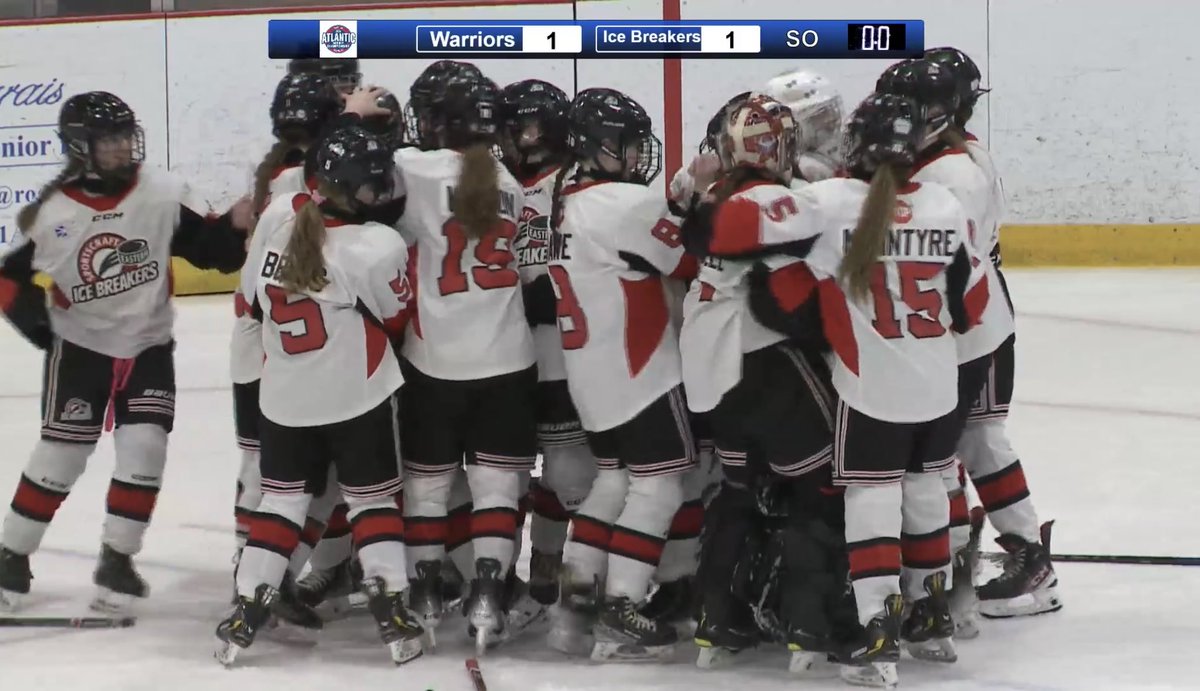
<point>757,402</point>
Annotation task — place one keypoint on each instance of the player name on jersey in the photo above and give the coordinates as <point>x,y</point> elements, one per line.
<point>394,39</point>
<point>913,242</point>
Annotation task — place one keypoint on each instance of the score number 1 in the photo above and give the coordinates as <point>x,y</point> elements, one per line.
<point>551,39</point>
<point>730,39</point>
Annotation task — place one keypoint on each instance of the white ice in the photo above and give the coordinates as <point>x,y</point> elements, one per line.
<point>1105,419</point>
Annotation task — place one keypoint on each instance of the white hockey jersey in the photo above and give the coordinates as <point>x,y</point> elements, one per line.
<point>110,259</point>
<point>608,260</point>
<point>532,246</point>
<point>329,356</point>
<point>955,170</point>
<point>718,327</point>
<point>470,317</point>
<point>246,346</point>
<point>894,357</point>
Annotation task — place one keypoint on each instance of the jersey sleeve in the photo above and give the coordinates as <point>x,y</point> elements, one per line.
<point>648,239</point>
<point>23,302</point>
<point>768,219</point>
<point>967,289</point>
<point>784,297</point>
<point>384,292</point>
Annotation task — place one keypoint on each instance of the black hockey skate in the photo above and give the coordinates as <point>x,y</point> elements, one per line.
<point>15,578</point>
<point>929,628</point>
<point>238,631</point>
<point>872,661</point>
<point>673,602</point>
<point>291,620</point>
<point>720,641</point>
<point>484,606</point>
<point>398,627</point>
<point>624,634</point>
<point>544,568</point>
<point>333,586</point>
<point>1028,585</point>
<point>117,582</point>
<point>425,597</point>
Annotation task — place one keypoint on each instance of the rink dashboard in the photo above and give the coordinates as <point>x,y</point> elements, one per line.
<point>790,39</point>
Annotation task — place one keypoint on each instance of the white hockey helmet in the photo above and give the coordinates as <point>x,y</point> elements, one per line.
<point>817,108</point>
<point>760,133</point>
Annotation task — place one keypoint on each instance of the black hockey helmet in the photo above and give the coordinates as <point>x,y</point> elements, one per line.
<point>427,84</point>
<point>528,103</point>
<point>90,122</point>
<point>607,122</point>
<point>302,107</point>
<point>359,165</point>
<point>928,83</point>
<point>342,73</point>
<point>465,111</point>
<point>716,124</point>
<point>966,75</point>
<point>390,128</point>
<point>883,129</point>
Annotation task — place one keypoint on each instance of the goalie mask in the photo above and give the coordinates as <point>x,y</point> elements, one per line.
<point>761,133</point>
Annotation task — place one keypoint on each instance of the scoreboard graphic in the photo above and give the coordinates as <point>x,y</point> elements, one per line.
<point>393,39</point>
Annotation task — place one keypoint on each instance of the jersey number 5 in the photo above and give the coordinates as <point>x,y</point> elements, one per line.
<point>572,322</point>
<point>493,252</point>
<point>305,310</point>
<point>921,302</point>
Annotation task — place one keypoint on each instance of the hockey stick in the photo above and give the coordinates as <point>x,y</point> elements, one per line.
<point>476,674</point>
<point>70,622</point>
<point>1134,559</point>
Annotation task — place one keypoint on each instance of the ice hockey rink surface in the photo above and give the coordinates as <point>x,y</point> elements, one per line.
<point>1106,419</point>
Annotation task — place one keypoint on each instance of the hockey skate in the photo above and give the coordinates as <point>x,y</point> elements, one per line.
<point>811,655</point>
<point>873,661</point>
<point>964,603</point>
<point>929,628</point>
<point>398,627</point>
<point>238,631</point>
<point>425,598</point>
<point>624,634</point>
<point>484,608</point>
<point>574,618</point>
<point>1028,585</point>
<point>15,578</point>
<point>719,643</point>
<point>118,584</point>
<point>332,587</point>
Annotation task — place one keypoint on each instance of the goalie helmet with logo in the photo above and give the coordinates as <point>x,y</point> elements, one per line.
<point>760,133</point>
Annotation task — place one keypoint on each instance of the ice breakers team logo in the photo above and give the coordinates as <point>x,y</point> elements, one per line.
<point>110,265</point>
<point>533,238</point>
<point>339,39</point>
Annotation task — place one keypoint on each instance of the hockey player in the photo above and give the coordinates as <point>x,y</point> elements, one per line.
<point>331,289</point>
<point>984,448</point>
<point>470,393</point>
<point>817,109</point>
<point>889,301</point>
<point>104,230</point>
<point>772,411</point>
<point>424,89</point>
<point>614,251</point>
<point>534,146</point>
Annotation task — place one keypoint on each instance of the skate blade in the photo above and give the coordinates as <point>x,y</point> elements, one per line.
<point>715,656</point>
<point>111,602</point>
<point>11,601</point>
<point>616,651</point>
<point>405,650</point>
<point>226,653</point>
<point>877,675</point>
<point>1025,605</point>
<point>933,650</point>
